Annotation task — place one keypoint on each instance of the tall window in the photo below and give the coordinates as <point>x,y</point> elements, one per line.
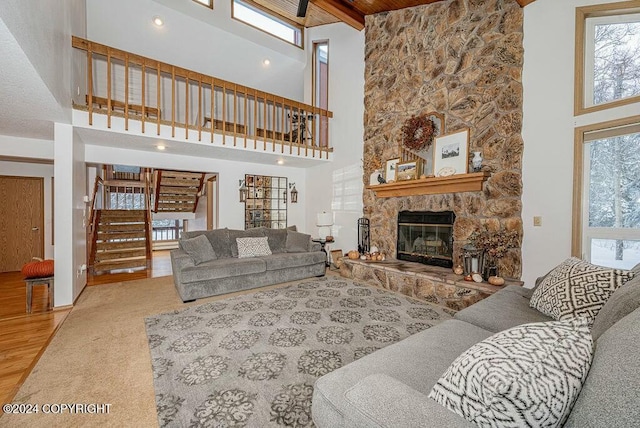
<point>609,178</point>
<point>256,16</point>
<point>320,94</point>
<point>607,56</point>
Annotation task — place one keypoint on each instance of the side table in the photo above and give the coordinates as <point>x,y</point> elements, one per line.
<point>323,243</point>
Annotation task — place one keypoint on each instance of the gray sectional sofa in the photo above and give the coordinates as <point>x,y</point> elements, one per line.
<point>390,387</point>
<point>294,257</point>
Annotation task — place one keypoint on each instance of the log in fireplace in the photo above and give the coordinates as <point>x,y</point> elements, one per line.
<point>426,237</point>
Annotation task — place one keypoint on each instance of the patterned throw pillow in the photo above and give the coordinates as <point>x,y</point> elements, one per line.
<point>529,375</point>
<point>253,247</point>
<point>577,288</point>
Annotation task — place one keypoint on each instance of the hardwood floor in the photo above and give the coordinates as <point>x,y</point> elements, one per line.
<point>24,337</point>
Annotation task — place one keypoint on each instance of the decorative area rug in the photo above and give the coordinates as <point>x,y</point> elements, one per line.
<point>252,360</point>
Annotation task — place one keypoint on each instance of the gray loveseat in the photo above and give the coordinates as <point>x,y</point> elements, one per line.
<point>389,387</point>
<point>294,257</point>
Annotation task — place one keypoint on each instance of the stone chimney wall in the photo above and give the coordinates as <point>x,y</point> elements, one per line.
<point>462,58</point>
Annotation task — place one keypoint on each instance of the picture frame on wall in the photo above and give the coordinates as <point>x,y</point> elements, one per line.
<point>409,170</point>
<point>451,153</point>
<point>390,169</point>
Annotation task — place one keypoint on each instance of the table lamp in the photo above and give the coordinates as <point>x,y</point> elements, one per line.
<point>324,223</point>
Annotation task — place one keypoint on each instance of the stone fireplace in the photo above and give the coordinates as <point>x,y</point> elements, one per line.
<point>426,237</point>
<point>461,58</point>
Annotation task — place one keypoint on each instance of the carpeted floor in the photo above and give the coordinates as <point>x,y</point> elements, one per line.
<point>252,360</point>
<point>101,355</point>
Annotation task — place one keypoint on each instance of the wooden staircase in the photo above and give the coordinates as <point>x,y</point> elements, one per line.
<point>177,191</point>
<point>121,240</point>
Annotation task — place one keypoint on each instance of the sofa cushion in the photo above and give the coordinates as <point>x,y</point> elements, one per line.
<point>577,288</point>
<point>249,233</point>
<point>277,239</point>
<point>529,375</point>
<point>622,302</point>
<point>297,242</point>
<point>219,239</point>
<point>222,268</point>
<point>290,260</point>
<point>253,247</point>
<point>506,308</point>
<point>199,249</point>
<point>610,395</point>
<point>424,356</point>
<point>387,402</point>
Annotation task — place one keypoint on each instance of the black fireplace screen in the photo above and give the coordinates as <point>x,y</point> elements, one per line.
<point>426,237</point>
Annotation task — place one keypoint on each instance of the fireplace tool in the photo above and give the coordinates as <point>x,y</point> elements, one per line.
<point>363,235</point>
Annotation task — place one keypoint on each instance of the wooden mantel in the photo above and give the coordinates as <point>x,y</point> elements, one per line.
<point>471,182</point>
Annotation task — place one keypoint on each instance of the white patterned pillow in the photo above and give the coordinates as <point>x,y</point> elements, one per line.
<point>576,288</point>
<point>253,247</point>
<point>529,375</point>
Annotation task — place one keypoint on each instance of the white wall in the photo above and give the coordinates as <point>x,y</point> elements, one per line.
<point>24,169</point>
<point>338,186</point>
<point>43,29</point>
<point>548,132</point>
<point>194,44</point>
<point>231,211</point>
<point>70,210</point>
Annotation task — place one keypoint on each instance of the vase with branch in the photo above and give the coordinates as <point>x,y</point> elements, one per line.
<point>495,246</point>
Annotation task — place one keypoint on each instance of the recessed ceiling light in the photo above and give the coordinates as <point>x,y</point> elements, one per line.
<point>280,161</point>
<point>160,147</point>
<point>266,62</point>
<point>158,21</point>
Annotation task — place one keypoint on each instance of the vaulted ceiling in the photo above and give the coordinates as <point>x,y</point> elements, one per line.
<point>351,12</point>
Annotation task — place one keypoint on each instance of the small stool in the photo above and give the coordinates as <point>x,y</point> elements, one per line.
<point>48,281</point>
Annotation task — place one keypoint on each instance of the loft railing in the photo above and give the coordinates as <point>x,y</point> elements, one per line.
<point>123,84</point>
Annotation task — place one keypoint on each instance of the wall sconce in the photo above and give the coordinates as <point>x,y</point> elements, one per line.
<point>294,193</point>
<point>243,190</point>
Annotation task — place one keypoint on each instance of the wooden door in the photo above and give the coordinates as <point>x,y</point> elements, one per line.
<point>21,221</point>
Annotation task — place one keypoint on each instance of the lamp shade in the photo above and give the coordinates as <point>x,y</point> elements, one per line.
<point>324,219</point>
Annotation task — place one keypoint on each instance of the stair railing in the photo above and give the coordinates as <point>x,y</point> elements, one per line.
<point>92,223</point>
<point>148,216</point>
<point>126,85</point>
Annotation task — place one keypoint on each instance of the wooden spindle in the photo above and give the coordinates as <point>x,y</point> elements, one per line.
<point>282,126</point>
<point>245,121</point>
<point>255,119</point>
<point>273,125</point>
<point>144,75</point>
<point>224,114</point>
<point>158,97</point>
<point>290,129</point>
<point>264,122</point>
<point>186,108</point>
<point>126,92</point>
<point>212,110</point>
<point>199,110</point>
<point>235,111</point>
<point>108,88</point>
<point>90,83</point>
<point>173,102</point>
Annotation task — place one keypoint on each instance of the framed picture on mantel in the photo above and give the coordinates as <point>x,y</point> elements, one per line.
<point>451,153</point>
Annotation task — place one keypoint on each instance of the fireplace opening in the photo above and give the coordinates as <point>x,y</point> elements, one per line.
<point>426,237</point>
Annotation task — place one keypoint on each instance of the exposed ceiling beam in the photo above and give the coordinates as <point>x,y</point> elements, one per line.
<point>523,3</point>
<point>343,12</point>
<point>302,8</point>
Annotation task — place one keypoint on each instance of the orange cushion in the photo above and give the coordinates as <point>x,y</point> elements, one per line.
<point>38,269</point>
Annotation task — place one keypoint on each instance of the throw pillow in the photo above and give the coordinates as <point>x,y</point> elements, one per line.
<point>277,239</point>
<point>622,302</point>
<point>199,249</point>
<point>576,288</point>
<point>249,233</point>
<point>529,375</point>
<point>297,242</point>
<point>253,247</point>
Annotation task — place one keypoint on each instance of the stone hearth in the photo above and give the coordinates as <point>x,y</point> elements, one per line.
<point>429,283</point>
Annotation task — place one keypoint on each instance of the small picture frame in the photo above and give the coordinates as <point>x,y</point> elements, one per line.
<point>409,170</point>
<point>451,153</point>
<point>390,169</point>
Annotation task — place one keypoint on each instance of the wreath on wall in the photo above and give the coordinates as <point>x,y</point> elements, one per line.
<point>418,132</point>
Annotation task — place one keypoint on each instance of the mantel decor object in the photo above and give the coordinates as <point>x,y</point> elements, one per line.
<point>476,161</point>
<point>473,260</point>
<point>451,153</point>
<point>418,132</point>
<point>409,170</point>
<point>375,177</point>
<point>390,170</point>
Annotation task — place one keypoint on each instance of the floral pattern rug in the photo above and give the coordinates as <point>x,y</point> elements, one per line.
<point>252,360</point>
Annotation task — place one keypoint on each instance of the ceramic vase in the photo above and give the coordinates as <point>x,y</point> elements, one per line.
<point>476,161</point>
